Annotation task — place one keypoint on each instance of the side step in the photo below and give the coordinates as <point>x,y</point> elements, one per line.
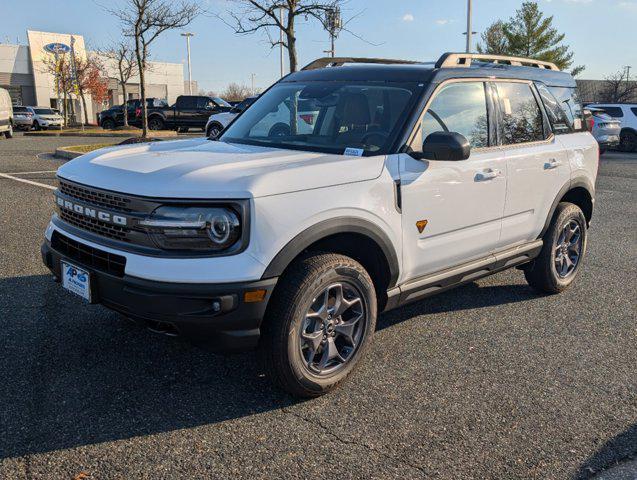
<point>443,280</point>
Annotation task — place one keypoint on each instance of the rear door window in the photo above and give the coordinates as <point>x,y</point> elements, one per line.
<point>520,115</point>
<point>187,103</point>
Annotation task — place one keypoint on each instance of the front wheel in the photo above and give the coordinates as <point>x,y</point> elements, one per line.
<point>214,130</point>
<point>319,323</point>
<point>560,259</point>
<point>9,133</point>
<point>628,141</point>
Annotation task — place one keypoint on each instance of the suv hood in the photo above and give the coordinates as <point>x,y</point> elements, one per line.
<point>201,168</point>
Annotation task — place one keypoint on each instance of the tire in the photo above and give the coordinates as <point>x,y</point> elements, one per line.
<point>214,130</point>
<point>9,133</point>
<point>602,151</point>
<point>279,130</point>
<point>296,313</point>
<point>155,123</point>
<point>108,124</point>
<point>182,130</point>
<point>628,141</point>
<point>36,126</point>
<point>542,274</point>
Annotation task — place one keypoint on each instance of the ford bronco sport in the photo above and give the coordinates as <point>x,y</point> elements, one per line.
<point>414,178</point>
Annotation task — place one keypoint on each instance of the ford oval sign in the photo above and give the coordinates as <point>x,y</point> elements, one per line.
<point>58,48</point>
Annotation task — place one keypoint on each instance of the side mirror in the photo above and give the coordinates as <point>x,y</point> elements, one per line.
<point>445,146</point>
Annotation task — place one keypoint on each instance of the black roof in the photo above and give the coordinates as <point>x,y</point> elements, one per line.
<point>427,72</point>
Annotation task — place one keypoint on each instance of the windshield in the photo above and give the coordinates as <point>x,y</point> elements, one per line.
<point>326,117</point>
<point>44,111</point>
<point>221,102</point>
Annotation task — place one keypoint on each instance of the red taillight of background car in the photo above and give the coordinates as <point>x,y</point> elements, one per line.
<point>138,112</point>
<point>307,118</point>
<point>590,123</point>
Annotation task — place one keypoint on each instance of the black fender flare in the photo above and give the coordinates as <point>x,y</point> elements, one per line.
<point>581,182</point>
<point>330,227</point>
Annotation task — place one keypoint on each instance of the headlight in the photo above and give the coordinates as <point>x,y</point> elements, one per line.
<point>193,228</point>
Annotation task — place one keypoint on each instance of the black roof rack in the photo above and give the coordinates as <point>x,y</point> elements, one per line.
<point>338,61</point>
<point>450,60</point>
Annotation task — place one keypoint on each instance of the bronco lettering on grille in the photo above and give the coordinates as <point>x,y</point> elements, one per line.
<point>91,212</point>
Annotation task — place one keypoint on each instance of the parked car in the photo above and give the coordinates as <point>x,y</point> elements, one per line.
<point>604,128</point>
<point>45,118</point>
<point>408,181</point>
<point>6,114</point>
<point>22,118</point>
<point>218,121</point>
<point>189,111</point>
<point>114,116</point>
<point>626,114</point>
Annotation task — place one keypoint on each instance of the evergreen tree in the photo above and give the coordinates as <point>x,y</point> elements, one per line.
<point>529,34</point>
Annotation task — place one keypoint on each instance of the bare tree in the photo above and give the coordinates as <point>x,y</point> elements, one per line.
<point>125,60</point>
<point>617,88</point>
<point>252,16</point>
<point>235,92</point>
<point>144,21</point>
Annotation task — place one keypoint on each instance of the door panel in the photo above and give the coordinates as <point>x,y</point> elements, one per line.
<point>536,173</point>
<point>462,201</point>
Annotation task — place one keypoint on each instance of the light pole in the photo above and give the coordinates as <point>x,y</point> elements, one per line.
<point>252,75</point>
<point>188,35</point>
<point>469,31</point>
<point>281,40</point>
<point>627,67</point>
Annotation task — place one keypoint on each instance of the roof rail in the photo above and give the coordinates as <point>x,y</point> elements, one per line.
<point>449,60</point>
<point>338,61</point>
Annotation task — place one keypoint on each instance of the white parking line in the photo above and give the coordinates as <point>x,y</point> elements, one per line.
<point>29,173</point>
<point>30,182</point>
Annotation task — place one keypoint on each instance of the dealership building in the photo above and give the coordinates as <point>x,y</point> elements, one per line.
<point>25,73</point>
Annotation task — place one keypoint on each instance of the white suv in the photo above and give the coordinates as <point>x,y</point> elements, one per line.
<point>414,178</point>
<point>626,114</point>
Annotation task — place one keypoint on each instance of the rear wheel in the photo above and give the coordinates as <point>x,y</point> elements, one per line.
<point>555,269</point>
<point>9,133</point>
<point>155,123</point>
<point>628,141</point>
<point>279,130</point>
<point>319,323</point>
<point>36,126</point>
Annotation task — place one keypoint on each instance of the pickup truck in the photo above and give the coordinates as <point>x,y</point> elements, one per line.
<point>189,111</point>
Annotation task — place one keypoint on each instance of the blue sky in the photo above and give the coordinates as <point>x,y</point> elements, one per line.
<point>602,33</point>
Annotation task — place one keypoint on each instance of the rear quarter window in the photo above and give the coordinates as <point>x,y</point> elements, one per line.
<point>615,112</point>
<point>634,110</point>
<point>570,104</point>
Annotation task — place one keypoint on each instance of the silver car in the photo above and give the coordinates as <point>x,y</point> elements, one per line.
<point>45,117</point>
<point>22,118</point>
<point>605,129</point>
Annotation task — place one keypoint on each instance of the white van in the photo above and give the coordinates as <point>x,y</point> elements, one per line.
<point>6,114</point>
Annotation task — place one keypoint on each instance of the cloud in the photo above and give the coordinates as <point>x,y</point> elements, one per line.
<point>443,21</point>
<point>408,17</point>
<point>628,5</point>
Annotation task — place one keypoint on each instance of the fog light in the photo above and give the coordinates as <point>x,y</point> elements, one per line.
<point>216,306</point>
<point>254,296</point>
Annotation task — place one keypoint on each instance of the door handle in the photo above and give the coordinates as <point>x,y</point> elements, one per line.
<point>552,163</point>
<point>487,174</point>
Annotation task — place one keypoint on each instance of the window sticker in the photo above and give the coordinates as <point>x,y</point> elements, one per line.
<point>356,152</point>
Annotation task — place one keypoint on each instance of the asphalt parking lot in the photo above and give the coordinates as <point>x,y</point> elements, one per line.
<point>486,381</point>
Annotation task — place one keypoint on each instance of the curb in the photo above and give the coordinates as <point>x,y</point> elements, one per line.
<point>98,135</point>
<point>66,154</point>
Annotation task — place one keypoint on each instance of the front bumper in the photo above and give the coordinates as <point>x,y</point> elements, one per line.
<point>608,140</point>
<point>187,308</point>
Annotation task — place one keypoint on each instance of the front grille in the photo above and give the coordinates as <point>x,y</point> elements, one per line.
<point>89,256</point>
<point>102,199</point>
<point>95,226</point>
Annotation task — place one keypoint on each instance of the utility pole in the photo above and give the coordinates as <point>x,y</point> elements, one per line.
<point>333,25</point>
<point>252,75</point>
<point>627,67</point>
<point>281,40</point>
<point>188,35</point>
<point>469,31</point>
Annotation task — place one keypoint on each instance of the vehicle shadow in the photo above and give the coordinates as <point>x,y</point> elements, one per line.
<point>465,297</point>
<point>74,374</point>
<point>621,448</point>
